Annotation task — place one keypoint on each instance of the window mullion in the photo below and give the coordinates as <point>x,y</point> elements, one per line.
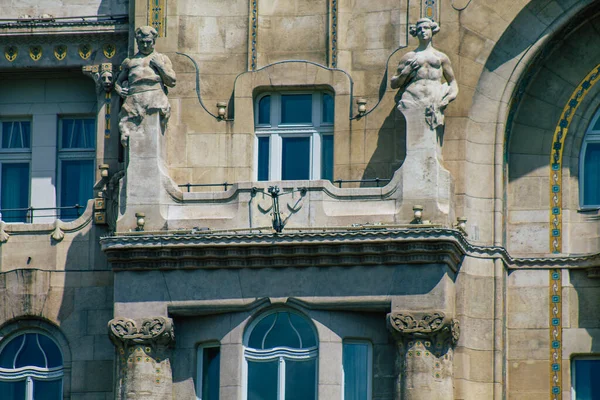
<point>29,388</point>
<point>281,389</point>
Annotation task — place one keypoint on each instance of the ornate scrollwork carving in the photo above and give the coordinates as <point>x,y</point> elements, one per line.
<point>424,324</point>
<point>148,331</point>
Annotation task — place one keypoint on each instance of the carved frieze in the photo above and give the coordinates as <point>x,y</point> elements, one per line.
<point>434,324</point>
<point>148,331</point>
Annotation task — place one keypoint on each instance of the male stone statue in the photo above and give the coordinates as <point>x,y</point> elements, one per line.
<point>420,73</point>
<point>147,74</point>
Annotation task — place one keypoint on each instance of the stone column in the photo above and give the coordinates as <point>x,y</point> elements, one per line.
<point>144,366</point>
<point>425,343</point>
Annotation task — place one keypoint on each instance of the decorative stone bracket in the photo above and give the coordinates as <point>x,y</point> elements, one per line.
<point>144,357</point>
<point>425,344</point>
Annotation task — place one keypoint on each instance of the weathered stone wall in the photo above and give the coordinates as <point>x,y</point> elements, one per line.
<point>63,8</point>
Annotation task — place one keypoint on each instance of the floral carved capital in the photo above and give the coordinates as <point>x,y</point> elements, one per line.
<point>427,324</point>
<point>147,331</point>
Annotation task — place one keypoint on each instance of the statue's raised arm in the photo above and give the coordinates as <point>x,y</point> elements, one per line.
<point>142,83</point>
<point>419,76</point>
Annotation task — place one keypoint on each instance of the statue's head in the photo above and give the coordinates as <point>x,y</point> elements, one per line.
<point>145,36</point>
<point>424,29</point>
<point>106,79</point>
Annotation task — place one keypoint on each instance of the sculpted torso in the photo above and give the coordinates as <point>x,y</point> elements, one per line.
<point>143,72</point>
<point>426,80</point>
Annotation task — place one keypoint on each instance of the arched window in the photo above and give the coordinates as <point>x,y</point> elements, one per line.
<point>589,165</point>
<point>31,367</point>
<point>281,353</point>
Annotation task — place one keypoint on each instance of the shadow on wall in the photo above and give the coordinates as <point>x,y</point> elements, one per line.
<point>113,7</point>
<point>584,299</point>
<point>390,150</point>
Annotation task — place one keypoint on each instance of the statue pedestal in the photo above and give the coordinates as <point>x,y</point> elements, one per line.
<point>425,181</point>
<point>142,188</point>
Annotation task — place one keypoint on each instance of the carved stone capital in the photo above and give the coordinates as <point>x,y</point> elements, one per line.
<point>434,325</point>
<point>156,331</point>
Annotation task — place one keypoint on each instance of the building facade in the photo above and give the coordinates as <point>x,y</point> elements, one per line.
<point>299,199</point>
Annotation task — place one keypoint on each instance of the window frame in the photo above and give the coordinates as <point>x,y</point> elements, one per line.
<point>277,131</point>
<point>590,136</point>
<point>29,373</point>
<point>200,365</point>
<point>279,354</point>
<point>369,365</point>
<point>73,154</point>
<point>574,369</point>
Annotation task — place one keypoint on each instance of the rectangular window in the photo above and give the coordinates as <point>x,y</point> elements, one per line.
<point>294,136</point>
<point>263,158</point>
<point>209,368</point>
<point>76,156</point>
<point>585,382</point>
<point>295,158</point>
<point>327,157</point>
<point>14,192</point>
<point>357,363</point>
<point>15,156</point>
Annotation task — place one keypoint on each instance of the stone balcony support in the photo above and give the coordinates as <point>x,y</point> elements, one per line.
<point>425,343</point>
<point>144,365</point>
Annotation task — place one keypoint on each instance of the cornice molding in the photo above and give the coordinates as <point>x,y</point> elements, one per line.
<point>346,246</point>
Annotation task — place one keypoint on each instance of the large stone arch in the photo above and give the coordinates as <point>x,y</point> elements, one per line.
<point>513,59</point>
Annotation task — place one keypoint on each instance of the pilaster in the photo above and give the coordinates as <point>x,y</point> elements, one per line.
<point>425,343</point>
<point>144,365</point>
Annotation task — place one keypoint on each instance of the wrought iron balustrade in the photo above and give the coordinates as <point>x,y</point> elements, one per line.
<point>27,215</point>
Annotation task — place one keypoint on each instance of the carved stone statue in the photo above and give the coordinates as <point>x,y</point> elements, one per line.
<point>143,83</point>
<point>102,75</point>
<point>419,76</point>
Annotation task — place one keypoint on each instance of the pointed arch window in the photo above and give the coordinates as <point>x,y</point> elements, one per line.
<point>31,367</point>
<point>281,352</point>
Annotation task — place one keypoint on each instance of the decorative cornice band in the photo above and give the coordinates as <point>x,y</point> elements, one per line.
<point>344,247</point>
<point>410,325</point>
<point>126,332</point>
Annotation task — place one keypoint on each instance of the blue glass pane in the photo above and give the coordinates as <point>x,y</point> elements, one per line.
<point>296,108</point>
<point>260,330</point>
<point>14,192</point>
<point>16,135</point>
<point>77,183</point>
<point>7,357</point>
<point>300,380</point>
<point>47,390</point>
<point>30,354</point>
<point>327,157</point>
<point>262,380</point>
<point>211,361</point>
<point>597,125</point>
<point>53,354</point>
<point>591,175</point>
<point>263,158</point>
<point>282,334</point>
<point>78,133</point>
<point>12,390</point>
<point>295,158</point>
<point>327,108</point>
<point>356,369</point>
<point>587,384</point>
<point>304,330</point>
<point>264,110</point>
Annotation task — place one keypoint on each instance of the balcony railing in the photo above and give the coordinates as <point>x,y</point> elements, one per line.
<point>377,181</point>
<point>191,185</point>
<point>28,215</point>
